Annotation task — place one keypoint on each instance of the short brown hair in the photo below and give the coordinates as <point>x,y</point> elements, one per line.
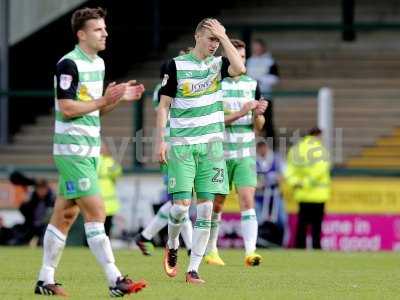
<point>315,131</point>
<point>80,16</point>
<point>201,24</point>
<point>185,50</point>
<point>238,43</point>
<point>261,42</point>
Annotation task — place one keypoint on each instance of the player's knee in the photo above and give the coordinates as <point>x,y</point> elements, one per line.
<point>178,213</point>
<point>218,204</point>
<point>247,204</point>
<point>204,210</point>
<point>94,215</point>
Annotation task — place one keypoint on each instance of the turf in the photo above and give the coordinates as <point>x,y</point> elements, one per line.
<point>283,275</point>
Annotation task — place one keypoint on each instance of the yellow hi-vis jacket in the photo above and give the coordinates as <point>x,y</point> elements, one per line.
<point>108,171</point>
<point>308,171</point>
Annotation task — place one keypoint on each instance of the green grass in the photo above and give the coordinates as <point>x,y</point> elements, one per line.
<point>283,275</point>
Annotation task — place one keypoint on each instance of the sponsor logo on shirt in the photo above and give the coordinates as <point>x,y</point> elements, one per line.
<point>190,89</point>
<point>65,81</point>
<point>70,187</point>
<point>83,93</point>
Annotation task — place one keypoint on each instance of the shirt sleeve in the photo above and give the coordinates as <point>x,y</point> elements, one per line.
<point>67,79</point>
<point>156,96</point>
<point>258,93</point>
<point>224,68</point>
<point>274,70</point>
<point>169,84</point>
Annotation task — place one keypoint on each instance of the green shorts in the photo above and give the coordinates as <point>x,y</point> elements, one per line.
<point>242,172</point>
<point>164,169</point>
<point>201,166</point>
<point>77,176</point>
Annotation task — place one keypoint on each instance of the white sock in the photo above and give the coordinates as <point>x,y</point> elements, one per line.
<point>187,233</point>
<point>100,245</point>
<point>249,229</point>
<point>212,242</point>
<point>159,221</point>
<point>53,246</point>
<point>201,234</point>
<point>177,216</point>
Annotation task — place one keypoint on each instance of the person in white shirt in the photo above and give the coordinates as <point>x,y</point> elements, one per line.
<point>262,67</point>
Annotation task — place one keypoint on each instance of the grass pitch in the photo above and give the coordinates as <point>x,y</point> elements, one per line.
<point>284,274</point>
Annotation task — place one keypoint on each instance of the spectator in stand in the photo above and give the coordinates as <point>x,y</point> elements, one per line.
<point>262,67</point>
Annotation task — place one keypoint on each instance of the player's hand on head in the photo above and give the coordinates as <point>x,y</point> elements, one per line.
<point>215,27</point>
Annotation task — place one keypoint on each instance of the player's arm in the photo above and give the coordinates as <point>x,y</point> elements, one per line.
<point>162,115</point>
<point>167,92</point>
<point>232,117</point>
<point>67,79</point>
<point>132,92</point>
<point>236,66</point>
<point>258,115</point>
<point>258,122</point>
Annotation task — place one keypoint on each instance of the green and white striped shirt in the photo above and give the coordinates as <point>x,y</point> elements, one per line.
<point>239,136</point>
<point>196,114</point>
<point>78,77</point>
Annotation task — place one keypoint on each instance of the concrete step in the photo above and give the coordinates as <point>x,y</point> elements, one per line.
<point>378,163</point>
<point>388,141</point>
<point>49,130</point>
<point>41,160</point>
<point>327,73</point>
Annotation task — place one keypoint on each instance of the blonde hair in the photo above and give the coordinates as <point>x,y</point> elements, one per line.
<point>201,24</point>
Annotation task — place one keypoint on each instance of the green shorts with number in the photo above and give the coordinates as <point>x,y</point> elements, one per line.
<point>77,176</point>
<point>201,166</point>
<point>242,172</point>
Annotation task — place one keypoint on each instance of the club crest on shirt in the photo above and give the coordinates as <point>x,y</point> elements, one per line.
<point>215,67</point>
<point>65,81</point>
<point>247,94</point>
<point>84,184</point>
<point>172,182</point>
